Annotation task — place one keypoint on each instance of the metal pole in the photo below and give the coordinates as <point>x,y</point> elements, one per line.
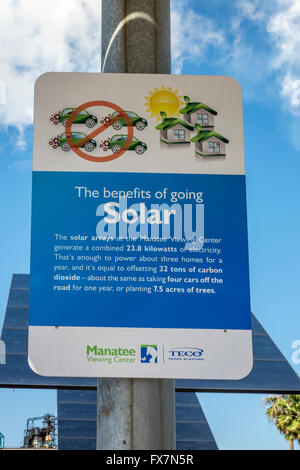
<point>136,414</point>
<point>136,36</point>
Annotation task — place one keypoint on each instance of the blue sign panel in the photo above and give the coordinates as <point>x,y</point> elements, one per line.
<point>132,282</point>
<point>139,229</point>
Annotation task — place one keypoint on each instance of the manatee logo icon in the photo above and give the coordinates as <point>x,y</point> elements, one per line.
<point>149,353</point>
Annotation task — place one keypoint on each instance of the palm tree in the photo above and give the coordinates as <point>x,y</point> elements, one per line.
<point>284,412</point>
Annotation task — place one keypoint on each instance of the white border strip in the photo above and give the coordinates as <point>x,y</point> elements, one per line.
<point>62,352</point>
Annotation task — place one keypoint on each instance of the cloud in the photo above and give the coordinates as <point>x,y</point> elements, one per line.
<point>21,141</point>
<point>291,90</point>
<point>251,9</point>
<point>192,35</point>
<point>278,23</point>
<point>232,41</point>
<point>41,36</point>
<point>284,28</point>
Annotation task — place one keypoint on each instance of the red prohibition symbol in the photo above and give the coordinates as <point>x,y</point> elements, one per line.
<point>98,131</point>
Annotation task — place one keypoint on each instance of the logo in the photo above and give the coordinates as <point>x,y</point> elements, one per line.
<point>149,353</point>
<point>110,356</point>
<point>2,353</point>
<point>185,354</point>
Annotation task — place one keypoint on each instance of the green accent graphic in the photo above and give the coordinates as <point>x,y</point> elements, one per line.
<point>168,123</point>
<point>195,106</point>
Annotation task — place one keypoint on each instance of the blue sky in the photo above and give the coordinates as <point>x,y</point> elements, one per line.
<point>255,41</point>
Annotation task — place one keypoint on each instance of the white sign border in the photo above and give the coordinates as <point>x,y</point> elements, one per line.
<point>49,344</point>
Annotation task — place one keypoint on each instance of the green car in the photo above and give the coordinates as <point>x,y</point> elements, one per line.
<point>136,121</point>
<point>83,117</point>
<point>118,141</point>
<point>77,137</point>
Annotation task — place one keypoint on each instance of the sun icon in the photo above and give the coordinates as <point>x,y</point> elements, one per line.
<point>165,100</point>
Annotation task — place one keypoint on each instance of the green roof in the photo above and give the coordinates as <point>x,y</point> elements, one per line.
<point>204,135</point>
<point>192,107</point>
<point>168,123</point>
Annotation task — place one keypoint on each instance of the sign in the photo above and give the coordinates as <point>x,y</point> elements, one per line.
<point>139,257</point>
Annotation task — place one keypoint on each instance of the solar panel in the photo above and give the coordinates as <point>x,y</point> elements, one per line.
<point>16,372</point>
<point>192,429</point>
<point>77,412</point>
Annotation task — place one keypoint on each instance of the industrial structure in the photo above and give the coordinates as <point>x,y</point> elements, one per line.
<point>43,435</point>
<point>2,441</point>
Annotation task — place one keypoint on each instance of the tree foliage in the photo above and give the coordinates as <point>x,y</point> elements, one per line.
<point>284,412</point>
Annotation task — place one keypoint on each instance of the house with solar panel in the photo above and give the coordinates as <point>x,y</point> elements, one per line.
<point>209,143</point>
<point>198,113</point>
<point>174,130</point>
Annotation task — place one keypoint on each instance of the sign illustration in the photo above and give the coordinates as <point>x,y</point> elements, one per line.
<point>139,251</point>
